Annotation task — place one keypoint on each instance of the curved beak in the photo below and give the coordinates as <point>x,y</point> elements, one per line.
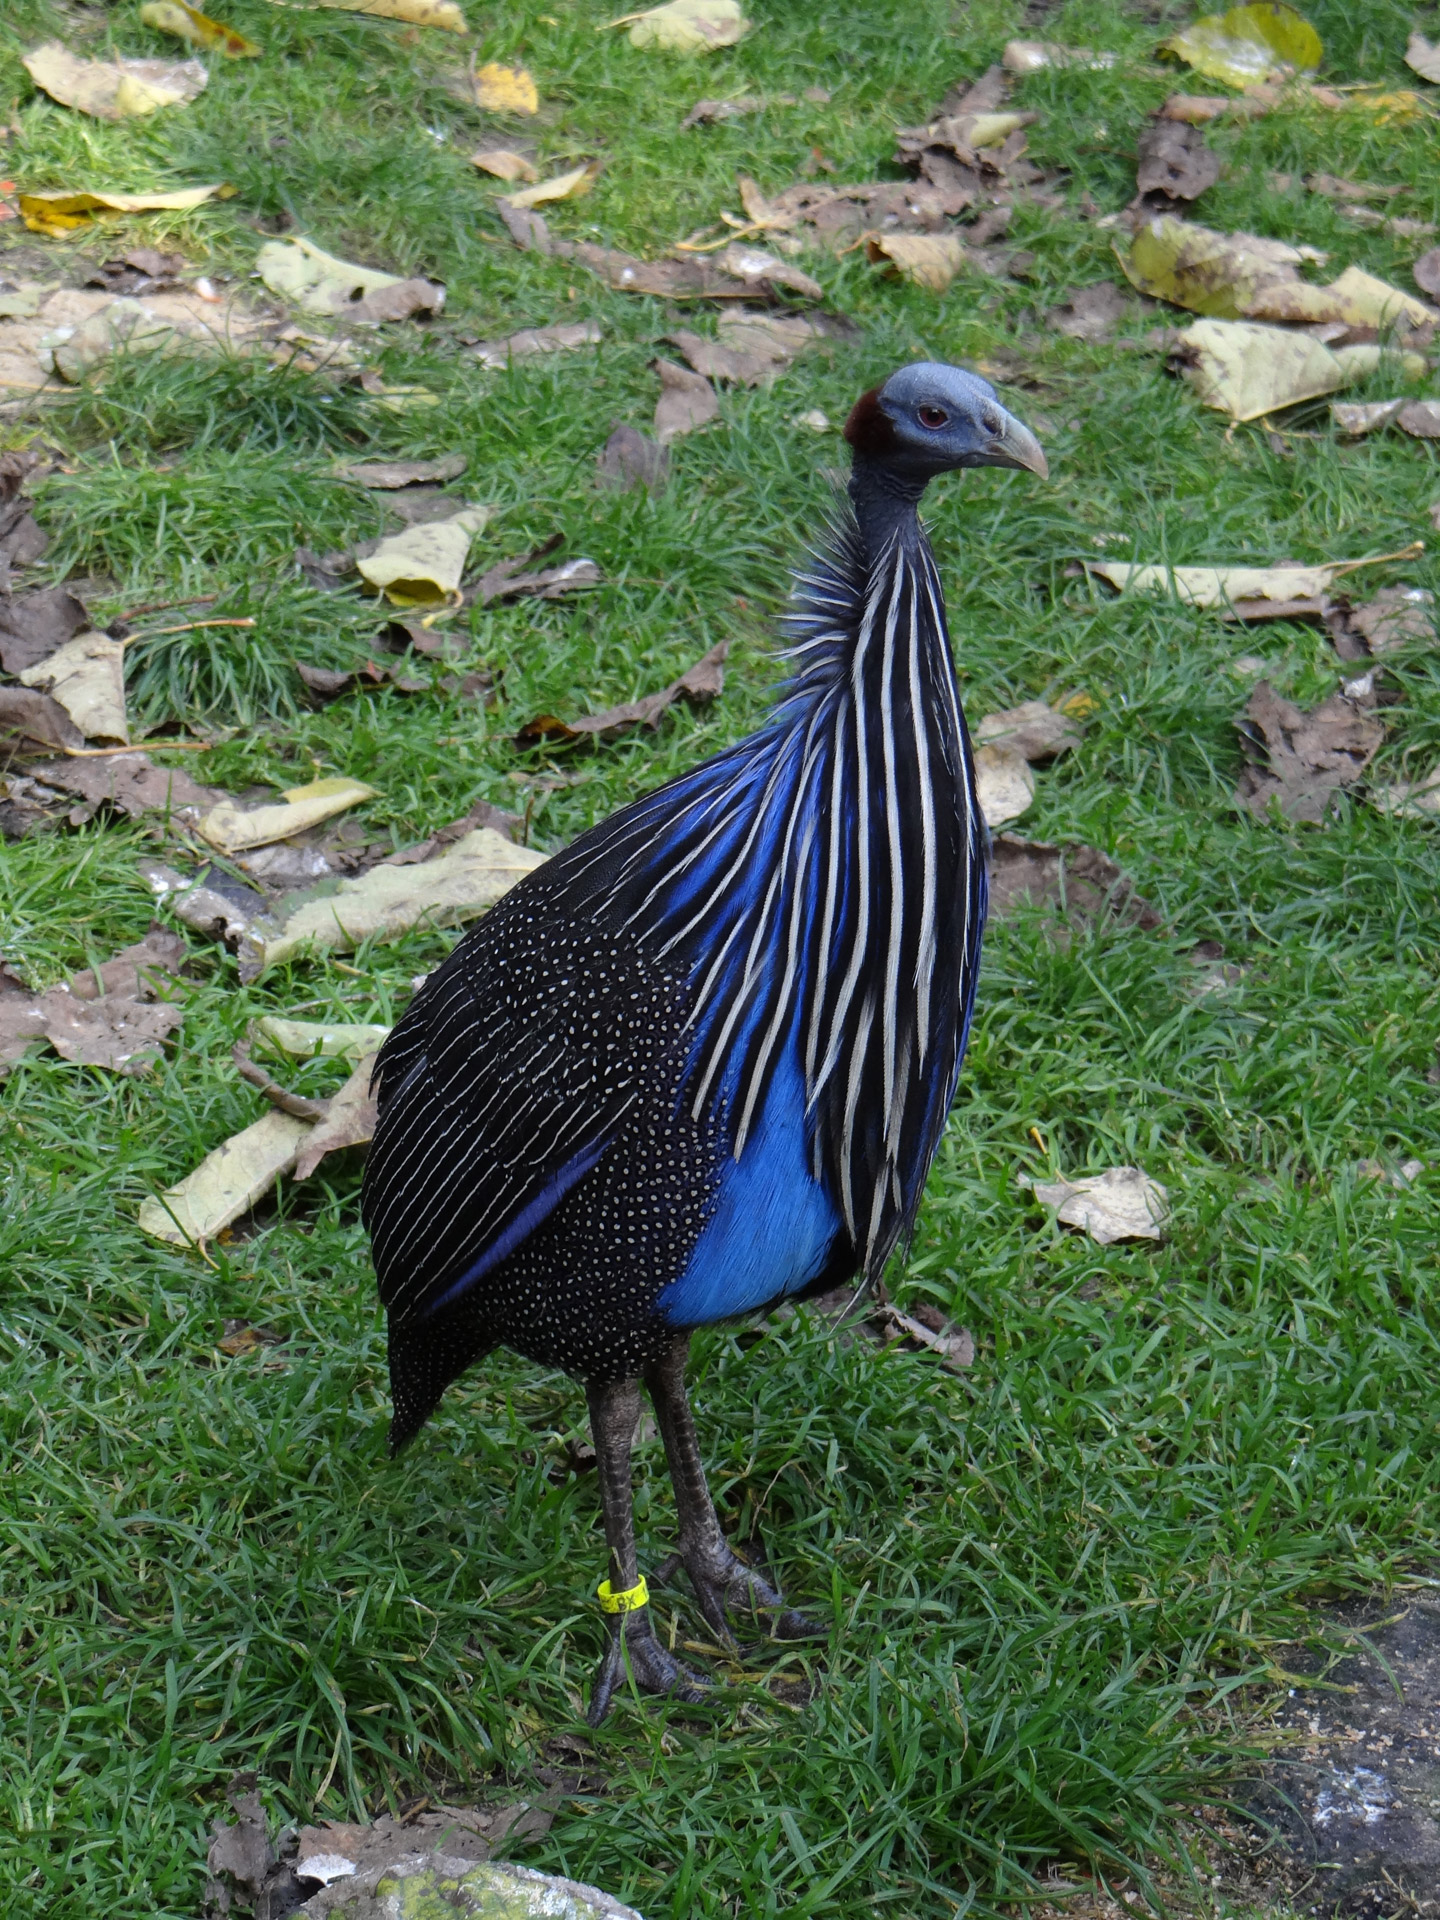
<point>1016,446</point>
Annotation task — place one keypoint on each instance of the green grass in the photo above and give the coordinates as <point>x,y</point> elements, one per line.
<point>1047,1582</point>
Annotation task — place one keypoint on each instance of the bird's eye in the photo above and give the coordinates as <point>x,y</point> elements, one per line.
<point>934,418</point>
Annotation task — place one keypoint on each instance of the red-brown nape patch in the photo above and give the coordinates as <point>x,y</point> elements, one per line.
<point>869,429</point>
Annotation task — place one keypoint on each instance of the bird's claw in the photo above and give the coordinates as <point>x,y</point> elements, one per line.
<point>633,1645</point>
<point>722,1580</point>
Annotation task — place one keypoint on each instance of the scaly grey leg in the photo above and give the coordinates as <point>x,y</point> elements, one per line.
<point>614,1415</point>
<point>717,1574</point>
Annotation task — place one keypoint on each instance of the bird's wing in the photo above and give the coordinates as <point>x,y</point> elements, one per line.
<point>501,1088</point>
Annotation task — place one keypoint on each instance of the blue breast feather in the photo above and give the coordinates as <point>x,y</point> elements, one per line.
<point>773,1224</point>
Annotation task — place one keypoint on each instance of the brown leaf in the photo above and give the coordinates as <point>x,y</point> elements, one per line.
<point>752,273</point>
<point>504,163</point>
<point>707,113</point>
<point>503,582</point>
<point>133,783</point>
<point>349,1121</point>
<point>398,302</point>
<point>31,722</point>
<point>1174,160</point>
<point>1090,313</point>
<point>1426,272</point>
<point>1082,882</point>
<point>526,228</point>
<point>1303,758</point>
<point>927,1328</point>
<point>105,1017</point>
<point>535,340</point>
<point>1198,109</point>
<point>329,683</point>
<point>1421,419</point>
<point>630,459</point>
<point>34,624</point>
<point>482,814</point>
<point>1396,617</point>
<point>687,401</point>
<point>388,475</point>
<point>238,1337</point>
<point>1037,731</point>
<point>704,681</point>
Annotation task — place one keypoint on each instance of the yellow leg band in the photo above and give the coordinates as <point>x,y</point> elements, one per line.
<point>627,1602</point>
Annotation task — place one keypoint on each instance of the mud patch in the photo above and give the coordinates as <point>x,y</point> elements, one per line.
<point>1352,1791</point>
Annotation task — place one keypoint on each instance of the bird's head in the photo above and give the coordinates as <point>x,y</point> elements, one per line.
<point>930,418</point>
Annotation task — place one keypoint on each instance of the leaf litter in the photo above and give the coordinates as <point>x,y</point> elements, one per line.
<point>173,16</point>
<point>114,89</point>
<point>703,682</point>
<point>115,1016</point>
<point>1122,1203</point>
<point>1300,760</point>
<point>686,26</point>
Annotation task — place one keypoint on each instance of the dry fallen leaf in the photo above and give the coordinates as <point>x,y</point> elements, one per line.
<point>390,475</point>
<point>1248,370</point>
<point>687,401</point>
<point>954,1345</point>
<point>1119,1204</point>
<point>749,348</point>
<point>1396,617</point>
<point>322,1039</point>
<point>1421,419</point>
<point>1410,799</point>
<point>422,566</point>
<point>1036,731</point>
<point>173,16</point>
<point>113,89</point>
<point>444,892</point>
<point>931,260</point>
<point>500,89</point>
<point>1354,418</point>
<point>507,580</point>
<point>232,828</point>
<point>350,1119</point>
<point>227,1182</point>
<point>1263,41</point>
<point>110,1016</point>
<point>704,681</point>
<point>1034,56</point>
<point>504,163</point>
<point>133,783</point>
<point>568,338</point>
<point>686,26</point>
<point>1083,883</point>
<point>564,186</point>
<point>1004,783</point>
<point>1174,160</point>
<point>415,13</point>
<point>1090,313</point>
<point>630,458</point>
<point>319,283</point>
<point>87,677</point>
<point>1302,758</point>
<point>59,212</point>
<point>1220,586</point>
<point>1422,56</point>
<point>239,1337</point>
<point>33,625</point>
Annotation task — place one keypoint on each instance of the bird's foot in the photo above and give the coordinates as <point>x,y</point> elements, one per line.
<point>634,1646</point>
<point>722,1580</point>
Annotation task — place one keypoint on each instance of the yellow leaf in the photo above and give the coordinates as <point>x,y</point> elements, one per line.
<point>316,280</point>
<point>87,676</point>
<point>565,186</point>
<point>929,259</point>
<point>686,26</point>
<point>505,90</point>
<point>173,16</point>
<point>415,13</point>
<point>504,164</point>
<point>233,828</point>
<point>1249,43</point>
<point>453,887</point>
<point>1218,586</point>
<point>113,89</point>
<point>226,1183</point>
<point>1247,370</point>
<point>322,1039</point>
<point>422,566</point>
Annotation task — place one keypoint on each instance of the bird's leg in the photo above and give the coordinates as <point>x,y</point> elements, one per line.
<point>717,1574</point>
<point>614,1415</point>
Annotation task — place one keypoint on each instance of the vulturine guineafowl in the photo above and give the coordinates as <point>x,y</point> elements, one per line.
<point>700,1061</point>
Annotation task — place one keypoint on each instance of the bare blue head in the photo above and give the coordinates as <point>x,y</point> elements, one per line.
<point>926,420</point>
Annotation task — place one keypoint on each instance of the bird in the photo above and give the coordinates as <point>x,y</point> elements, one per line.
<point>699,1061</point>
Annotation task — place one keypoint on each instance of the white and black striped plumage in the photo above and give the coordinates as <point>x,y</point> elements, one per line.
<point>703,1057</point>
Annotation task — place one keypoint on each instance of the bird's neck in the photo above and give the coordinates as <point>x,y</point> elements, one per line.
<point>887,508</point>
